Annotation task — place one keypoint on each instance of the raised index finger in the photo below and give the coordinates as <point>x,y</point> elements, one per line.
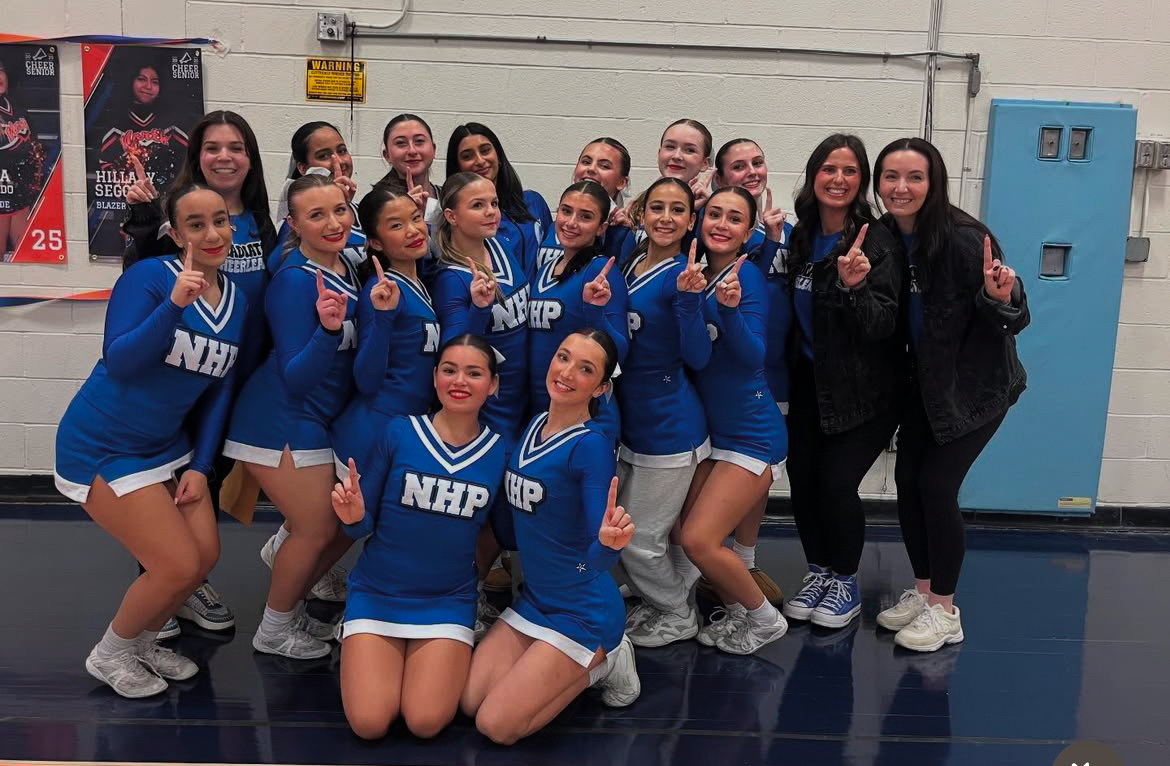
<point>693,255</point>
<point>189,258</point>
<point>378,267</point>
<point>320,283</point>
<point>139,171</point>
<point>605,269</point>
<point>767,198</point>
<point>738,262</point>
<point>986,253</point>
<point>860,237</point>
<point>409,180</point>
<point>335,165</point>
<point>611,502</point>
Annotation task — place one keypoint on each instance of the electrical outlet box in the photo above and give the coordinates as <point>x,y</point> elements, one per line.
<point>1143,155</point>
<point>1162,156</point>
<point>331,27</point>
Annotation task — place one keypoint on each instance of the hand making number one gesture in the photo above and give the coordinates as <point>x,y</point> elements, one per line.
<point>853,266</point>
<point>728,291</point>
<point>772,218</point>
<point>596,292</point>
<point>330,305</point>
<point>616,527</point>
<point>416,193</point>
<point>347,184</point>
<point>691,279</point>
<point>998,278</point>
<point>189,284</point>
<point>384,294</point>
<point>348,503</point>
<point>142,190</point>
<point>483,288</point>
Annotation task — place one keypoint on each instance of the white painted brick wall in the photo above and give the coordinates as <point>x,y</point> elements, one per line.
<point>546,102</point>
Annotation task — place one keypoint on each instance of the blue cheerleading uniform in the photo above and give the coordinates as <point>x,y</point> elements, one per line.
<point>504,324</point>
<point>558,488</point>
<point>306,380</point>
<point>662,416</point>
<point>245,267</point>
<point>393,368</point>
<point>557,309</point>
<point>160,364</point>
<point>771,258</point>
<point>746,427</point>
<point>425,504</point>
<point>524,238</point>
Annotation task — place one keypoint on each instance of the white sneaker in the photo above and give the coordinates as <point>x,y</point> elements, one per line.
<point>164,662</point>
<point>721,622</point>
<point>331,587</point>
<point>930,630</point>
<point>126,675</point>
<point>902,613</point>
<point>658,628</point>
<point>749,638</point>
<point>292,642</point>
<point>621,686</point>
<point>636,614</point>
<point>318,629</point>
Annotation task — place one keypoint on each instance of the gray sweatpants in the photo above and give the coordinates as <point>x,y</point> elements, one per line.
<point>654,499</point>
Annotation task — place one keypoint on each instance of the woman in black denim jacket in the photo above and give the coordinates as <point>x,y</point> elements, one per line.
<point>845,273</point>
<point>963,309</point>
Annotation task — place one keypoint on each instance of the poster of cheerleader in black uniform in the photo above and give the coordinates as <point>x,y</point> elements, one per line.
<point>140,104</point>
<point>31,209</point>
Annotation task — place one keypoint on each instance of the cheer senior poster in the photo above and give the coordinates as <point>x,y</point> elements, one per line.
<point>140,102</point>
<point>32,205</point>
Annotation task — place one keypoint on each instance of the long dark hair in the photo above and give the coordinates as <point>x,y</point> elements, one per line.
<point>601,338</point>
<point>393,178</point>
<point>509,189</point>
<point>937,219</point>
<point>254,193</point>
<point>583,257</point>
<point>807,209</point>
<point>622,151</point>
<point>300,145</point>
<point>368,211</point>
<point>744,195</point>
<point>643,247</point>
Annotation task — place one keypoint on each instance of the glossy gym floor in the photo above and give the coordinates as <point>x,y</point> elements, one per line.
<point>1068,638</point>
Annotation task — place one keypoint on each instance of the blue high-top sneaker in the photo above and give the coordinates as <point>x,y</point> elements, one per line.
<point>801,606</point>
<point>840,604</point>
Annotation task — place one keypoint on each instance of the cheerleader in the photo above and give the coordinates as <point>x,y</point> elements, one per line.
<point>564,631</point>
<point>664,429</point>
<point>482,289</point>
<point>572,291</point>
<point>845,359</point>
<point>172,338</point>
<point>280,425</point>
<point>524,215</point>
<point>964,309</point>
<point>606,161</point>
<point>223,155</point>
<point>22,163</point>
<point>318,145</point>
<point>408,146</point>
<point>741,162</point>
<point>398,332</point>
<point>748,438</point>
<point>425,494</point>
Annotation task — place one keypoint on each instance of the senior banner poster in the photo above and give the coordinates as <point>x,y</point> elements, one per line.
<point>32,206</point>
<point>140,104</point>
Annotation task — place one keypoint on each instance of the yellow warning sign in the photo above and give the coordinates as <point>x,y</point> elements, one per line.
<point>338,80</point>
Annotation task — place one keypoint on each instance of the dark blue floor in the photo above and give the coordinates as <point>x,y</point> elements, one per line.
<point>1067,639</point>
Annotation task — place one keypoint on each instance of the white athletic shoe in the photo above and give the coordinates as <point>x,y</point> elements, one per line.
<point>657,628</point>
<point>164,662</point>
<point>331,587</point>
<point>749,638</point>
<point>931,630</point>
<point>901,614</point>
<point>721,622</point>
<point>125,674</point>
<point>621,686</point>
<point>292,642</point>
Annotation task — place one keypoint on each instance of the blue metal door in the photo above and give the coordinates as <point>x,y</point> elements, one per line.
<point>1057,195</point>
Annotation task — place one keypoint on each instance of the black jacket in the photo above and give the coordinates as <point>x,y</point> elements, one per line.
<point>966,364</point>
<point>856,344</point>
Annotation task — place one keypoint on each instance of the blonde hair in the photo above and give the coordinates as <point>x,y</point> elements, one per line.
<point>449,252</point>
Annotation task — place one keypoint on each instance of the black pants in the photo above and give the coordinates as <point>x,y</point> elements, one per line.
<point>929,476</point>
<point>825,471</point>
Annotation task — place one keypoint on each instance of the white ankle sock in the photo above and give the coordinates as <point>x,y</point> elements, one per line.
<point>764,614</point>
<point>684,566</point>
<point>276,622</point>
<point>600,672</point>
<point>112,644</point>
<point>746,553</point>
<point>281,536</point>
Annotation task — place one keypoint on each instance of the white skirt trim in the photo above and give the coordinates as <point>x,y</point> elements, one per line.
<point>302,458</point>
<point>677,460</point>
<point>577,653</point>
<point>407,631</point>
<point>748,463</point>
